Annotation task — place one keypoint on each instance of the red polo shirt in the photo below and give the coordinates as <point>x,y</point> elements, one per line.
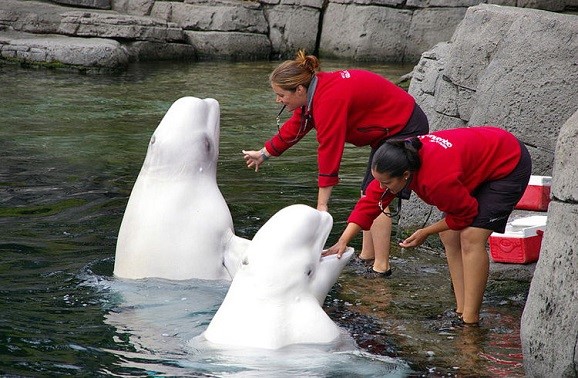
<point>454,163</point>
<point>350,106</point>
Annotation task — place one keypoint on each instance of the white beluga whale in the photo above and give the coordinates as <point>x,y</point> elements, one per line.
<point>177,225</point>
<point>276,296</point>
<point>158,326</point>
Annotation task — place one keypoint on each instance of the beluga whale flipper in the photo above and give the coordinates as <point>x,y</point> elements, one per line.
<point>276,296</point>
<point>177,225</point>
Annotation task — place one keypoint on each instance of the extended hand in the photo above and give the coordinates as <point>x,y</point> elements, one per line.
<point>253,159</point>
<point>416,239</point>
<point>338,249</point>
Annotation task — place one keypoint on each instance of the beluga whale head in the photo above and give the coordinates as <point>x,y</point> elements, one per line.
<point>186,142</point>
<point>276,296</point>
<point>177,224</point>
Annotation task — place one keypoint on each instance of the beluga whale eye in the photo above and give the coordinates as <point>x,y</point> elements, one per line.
<point>153,140</point>
<point>245,261</point>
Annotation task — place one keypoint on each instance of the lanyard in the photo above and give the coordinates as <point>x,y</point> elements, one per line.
<point>310,93</point>
<point>306,110</point>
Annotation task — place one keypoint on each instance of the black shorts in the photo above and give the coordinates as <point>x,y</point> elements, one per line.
<point>496,199</point>
<point>417,125</point>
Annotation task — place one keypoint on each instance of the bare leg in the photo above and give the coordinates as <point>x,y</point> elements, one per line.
<point>476,265</point>
<point>453,249</point>
<point>367,249</point>
<point>381,236</point>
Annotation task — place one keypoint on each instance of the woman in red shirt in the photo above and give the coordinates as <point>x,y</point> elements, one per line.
<point>474,175</point>
<point>348,106</point>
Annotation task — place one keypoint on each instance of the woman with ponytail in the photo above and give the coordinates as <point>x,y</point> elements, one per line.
<point>347,106</point>
<point>475,176</point>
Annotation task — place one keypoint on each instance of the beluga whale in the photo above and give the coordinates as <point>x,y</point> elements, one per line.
<point>177,225</point>
<point>276,297</point>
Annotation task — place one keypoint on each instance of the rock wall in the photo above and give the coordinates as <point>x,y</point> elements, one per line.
<point>511,67</point>
<point>549,328</point>
<point>358,30</point>
<point>35,32</point>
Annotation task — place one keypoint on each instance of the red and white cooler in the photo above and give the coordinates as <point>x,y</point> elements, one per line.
<point>537,194</point>
<point>521,242</point>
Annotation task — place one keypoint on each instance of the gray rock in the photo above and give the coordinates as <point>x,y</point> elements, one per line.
<point>504,66</point>
<point>318,4</point>
<point>549,325</point>
<point>530,85</point>
<point>230,46</point>
<point>113,25</point>
<point>238,16</point>
<point>359,30</point>
<point>427,76</point>
<point>30,16</point>
<point>475,42</point>
<point>292,28</point>
<point>391,3</point>
<point>140,51</point>
<point>564,187</point>
<point>58,50</point>
<point>365,33</point>
<point>428,27</point>
<point>549,5</point>
<point>511,272</point>
<point>442,3</point>
<point>96,4</point>
<point>134,7</point>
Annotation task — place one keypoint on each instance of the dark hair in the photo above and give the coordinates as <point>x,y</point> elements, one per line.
<point>292,73</point>
<point>394,157</point>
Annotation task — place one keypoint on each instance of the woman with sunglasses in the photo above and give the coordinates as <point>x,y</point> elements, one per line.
<point>475,176</point>
<point>348,106</point>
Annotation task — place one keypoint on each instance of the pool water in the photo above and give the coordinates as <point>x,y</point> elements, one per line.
<point>71,147</point>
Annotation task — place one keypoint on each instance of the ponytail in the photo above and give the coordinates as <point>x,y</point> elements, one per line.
<point>395,157</point>
<point>292,73</point>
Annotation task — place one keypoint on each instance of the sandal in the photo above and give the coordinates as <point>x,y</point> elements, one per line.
<point>358,261</point>
<point>459,323</point>
<point>365,261</point>
<point>375,274</point>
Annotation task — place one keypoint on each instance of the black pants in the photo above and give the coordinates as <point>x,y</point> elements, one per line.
<point>497,199</point>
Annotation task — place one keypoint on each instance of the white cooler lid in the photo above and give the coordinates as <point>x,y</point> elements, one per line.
<point>531,221</point>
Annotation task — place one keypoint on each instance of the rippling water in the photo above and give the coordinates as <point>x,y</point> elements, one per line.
<point>71,147</point>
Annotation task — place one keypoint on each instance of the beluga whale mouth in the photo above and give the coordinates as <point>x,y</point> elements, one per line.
<point>177,225</point>
<point>276,296</point>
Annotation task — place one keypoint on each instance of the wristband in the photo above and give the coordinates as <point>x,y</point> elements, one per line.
<point>265,157</point>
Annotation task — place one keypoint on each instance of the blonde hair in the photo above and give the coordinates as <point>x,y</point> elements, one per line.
<point>292,73</point>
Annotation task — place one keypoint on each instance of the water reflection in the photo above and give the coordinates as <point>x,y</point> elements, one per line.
<point>71,147</point>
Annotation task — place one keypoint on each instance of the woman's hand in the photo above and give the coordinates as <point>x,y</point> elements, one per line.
<point>338,249</point>
<point>350,231</point>
<point>255,158</point>
<point>416,239</point>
